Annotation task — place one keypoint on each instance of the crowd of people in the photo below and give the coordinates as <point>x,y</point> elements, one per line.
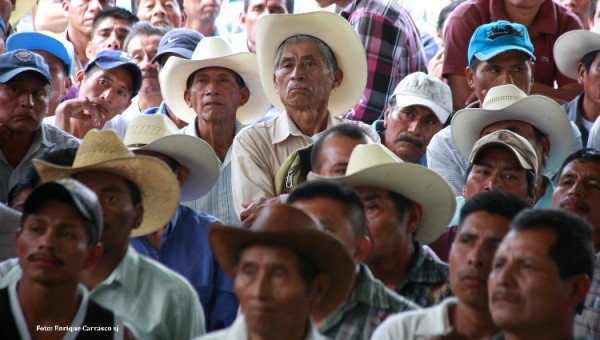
<point>355,172</point>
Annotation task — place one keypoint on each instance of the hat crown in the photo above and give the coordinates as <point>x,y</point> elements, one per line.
<point>281,217</point>
<point>145,129</point>
<point>212,48</point>
<point>510,140</point>
<point>500,97</point>
<point>366,156</point>
<point>419,84</point>
<point>494,38</point>
<point>99,146</point>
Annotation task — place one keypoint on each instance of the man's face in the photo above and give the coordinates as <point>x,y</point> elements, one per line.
<point>303,78</point>
<point>119,213</point>
<point>272,294</point>
<point>408,131</point>
<point>142,48</point>
<point>24,101</point>
<point>203,10</point>
<point>81,13</point>
<point>52,244</point>
<point>110,34</point>
<point>160,12</point>
<point>496,168</point>
<point>472,254</point>
<point>109,90</point>
<point>60,81</point>
<point>512,67</point>
<point>590,80</point>
<point>525,289</point>
<point>256,10</point>
<point>335,153</point>
<point>578,191</point>
<point>215,95</point>
<point>580,7</point>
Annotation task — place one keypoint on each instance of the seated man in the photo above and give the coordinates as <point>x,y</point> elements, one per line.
<point>283,269</point>
<point>541,275</point>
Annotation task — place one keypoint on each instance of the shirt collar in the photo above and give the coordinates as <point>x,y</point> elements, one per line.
<point>284,127</point>
<point>125,273</point>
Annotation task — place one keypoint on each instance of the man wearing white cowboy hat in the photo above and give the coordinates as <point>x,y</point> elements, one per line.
<point>313,67</point>
<point>283,269</point>
<point>407,205</point>
<point>139,194</point>
<point>182,244</point>
<point>216,92</point>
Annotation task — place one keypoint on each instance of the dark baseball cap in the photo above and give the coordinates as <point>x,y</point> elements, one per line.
<point>182,41</point>
<point>111,59</point>
<point>18,61</point>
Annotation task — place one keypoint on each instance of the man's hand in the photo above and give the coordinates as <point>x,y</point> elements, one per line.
<point>80,108</point>
<point>254,207</point>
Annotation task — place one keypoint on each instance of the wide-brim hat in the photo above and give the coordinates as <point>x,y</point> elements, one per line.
<point>335,32</point>
<point>373,165</point>
<point>158,133</point>
<point>213,52</point>
<point>508,102</point>
<point>288,227</point>
<point>21,8</point>
<point>571,47</point>
<point>102,151</point>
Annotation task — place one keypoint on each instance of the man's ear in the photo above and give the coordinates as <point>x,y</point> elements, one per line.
<point>414,215</point>
<point>580,73</point>
<point>182,173</point>
<point>88,50</point>
<point>244,95</point>
<point>362,247</point>
<point>93,256</point>
<point>183,18</point>
<point>139,216</point>
<point>319,289</point>
<point>242,18</point>
<point>65,7</point>
<point>79,78</point>
<point>338,76</point>
<point>579,286</point>
<point>68,85</point>
<point>386,114</point>
<point>186,97</point>
<point>13,5</point>
<point>470,77</point>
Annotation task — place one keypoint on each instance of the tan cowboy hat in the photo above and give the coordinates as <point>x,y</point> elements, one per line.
<point>159,134</point>
<point>571,47</point>
<point>288,227</point>
<point>335,32</point>
<point>21,8</point>
<point>102,151</point>
<point>213,52</point>
<point>508,102</point>
<point>373,165</point>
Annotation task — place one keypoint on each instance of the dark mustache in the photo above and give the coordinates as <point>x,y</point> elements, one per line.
<point>581,205</point>
<point>37,256</point>
<point>409,139</point>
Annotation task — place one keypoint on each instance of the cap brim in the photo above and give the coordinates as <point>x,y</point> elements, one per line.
<point>488,54</point>
<point>183,52</point>
<point>522,161</point>
<point>7,76</point>
<point>571,47</point>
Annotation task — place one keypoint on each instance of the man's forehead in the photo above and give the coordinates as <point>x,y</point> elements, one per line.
<point>214,70</point>
<point>592,168</point>
<point>491,152</point>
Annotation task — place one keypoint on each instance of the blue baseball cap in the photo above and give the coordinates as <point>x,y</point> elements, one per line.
<point>182,41</point>
<point>16,62</point>
<point>501,36</point>
<point>45,41</point>
<point>111,59</point>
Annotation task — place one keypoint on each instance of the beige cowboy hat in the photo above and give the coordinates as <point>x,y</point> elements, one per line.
<point>21,8</point>
<point>102,151</point>
<point>335,32</point>
<point>288,227</point>
<point>158,133</point>
<point>571,47</point>
<point>213,52</point>
<point>373,165</point>
<point>508,102</point>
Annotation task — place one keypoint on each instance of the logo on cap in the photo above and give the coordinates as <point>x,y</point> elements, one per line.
<point>502,31</point>
<point>24,57</point>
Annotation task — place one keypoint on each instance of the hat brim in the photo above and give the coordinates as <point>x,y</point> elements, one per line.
<point>156,182</point>
<point>416,183</point>
<point>174,76</point>
<point>326,252</point>
<point>21,8</point>
<point>335,32</point>
<point>196,155</point>
<point>540,111</point>
<point>571,47</point>
<point>492,52</point>
<point>405,100</point>
<point>7,76</point>
<point>39,41</point>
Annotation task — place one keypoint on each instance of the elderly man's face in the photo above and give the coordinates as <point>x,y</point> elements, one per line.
<point>81,13</point>
<point>472,254</point>
<point>60,81</point>
<point>335,153</point>
<point>578,191</point>
<point>408,131</point>
<point>142,48</point>
<point>110,34</point>
<point>303,78</point>
<point>24,101</point>
<point>512,67</point>
<point>256,10</point>
<point>274,297</point>
<point>161,12</point>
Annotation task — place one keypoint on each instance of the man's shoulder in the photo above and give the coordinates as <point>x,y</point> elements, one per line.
<point>58,136</point>
<point>200,218</point>
<point>171,284</point>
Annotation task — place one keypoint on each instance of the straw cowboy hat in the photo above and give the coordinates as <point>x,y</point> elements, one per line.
<point>102,151</point>
<point>508,102</point>
<point>213,52</point>
<point>159,134</point>
<point>288,227</point>
<point>373,165</point>
<point>335,32</point>
<point>570,48</point>
<point>21,8</point>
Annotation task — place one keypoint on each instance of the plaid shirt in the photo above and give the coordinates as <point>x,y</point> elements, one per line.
<point>588,322</point>
<point>394,50</point>
<point>367,306</point>
<point>427,282</point>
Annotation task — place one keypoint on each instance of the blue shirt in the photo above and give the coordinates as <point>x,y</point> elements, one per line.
<point>184,248</point>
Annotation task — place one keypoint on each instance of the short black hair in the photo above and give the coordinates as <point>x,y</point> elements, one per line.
<point>289,4</point>
<point>501,203</point>
<point>582,155</point>
<point>144,28</point>
<point>350,130</point>
<point>117,13</point>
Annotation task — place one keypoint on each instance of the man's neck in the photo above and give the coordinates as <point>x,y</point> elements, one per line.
<point>79,41</point>
<point>310,121</point>
<point>392,268</point>
<point>522,15</point>
<point>97,273</point>
<point>218,134</point>
<point>291,332</point>
<point>14,145</point>
<point>207,28</point>
<point>590,109</point>
<point>148,100</point>
<point>554,331</point>
<point>471,323</point>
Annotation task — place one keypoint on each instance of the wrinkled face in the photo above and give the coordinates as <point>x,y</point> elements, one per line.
<point>512,67</point>
<point>110,34</point>
<point>109,90</point>
<point>215,94</point>
<point>525,289</point>
<point>142,48</point>
<point>24,101</point>
<point>52,244</point>
<point>590,80</point>
<point>160,12</point>
<point>58,72</point>
<point>273,296</point>
<point>256,10</point>
<point>496,168</point>
<point>81,13</point>
<point>472,254</point>
<point>335,154</point>
<point>578,191</point>
<point>303,78</point>
<point>408,131</point>
<point>203,10</point>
